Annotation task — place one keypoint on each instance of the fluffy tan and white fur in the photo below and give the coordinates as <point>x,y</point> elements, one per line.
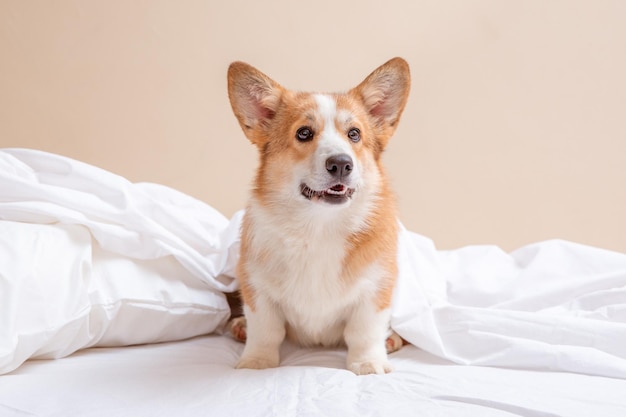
<point>319,236</point>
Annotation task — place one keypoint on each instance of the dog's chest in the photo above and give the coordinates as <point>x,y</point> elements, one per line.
<point>305,268</point>
<point>303,273</point>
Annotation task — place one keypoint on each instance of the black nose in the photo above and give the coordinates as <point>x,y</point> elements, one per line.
<point>339,165</point>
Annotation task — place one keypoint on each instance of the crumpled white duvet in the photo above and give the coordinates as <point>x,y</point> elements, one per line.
<point>89,259</point>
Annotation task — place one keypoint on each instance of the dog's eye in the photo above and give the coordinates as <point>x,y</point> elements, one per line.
<point>354,134</point>
<point>304,134</point>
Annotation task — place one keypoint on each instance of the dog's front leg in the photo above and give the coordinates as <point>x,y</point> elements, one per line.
<point>265,333</point>
<point>365,334</point>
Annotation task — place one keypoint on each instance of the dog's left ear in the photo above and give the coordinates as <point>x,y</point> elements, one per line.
<point>254,97</point>
<point>384,93</point>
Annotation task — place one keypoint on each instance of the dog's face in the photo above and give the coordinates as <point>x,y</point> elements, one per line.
<point>321,149</point>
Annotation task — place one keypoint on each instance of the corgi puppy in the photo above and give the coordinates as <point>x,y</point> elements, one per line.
<point>319,235</point>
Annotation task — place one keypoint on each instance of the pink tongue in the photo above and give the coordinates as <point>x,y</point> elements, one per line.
<point>338,187</point>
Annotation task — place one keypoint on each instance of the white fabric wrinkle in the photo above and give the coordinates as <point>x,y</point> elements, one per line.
<point>552,305</point>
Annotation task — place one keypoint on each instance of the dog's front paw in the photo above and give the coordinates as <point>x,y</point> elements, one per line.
<point>256,363</point>
<point>370,367</point>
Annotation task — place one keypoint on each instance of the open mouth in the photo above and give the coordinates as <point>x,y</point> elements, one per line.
<point>336,194</point>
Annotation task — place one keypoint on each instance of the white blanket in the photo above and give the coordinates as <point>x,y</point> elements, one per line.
<point>90,259</point>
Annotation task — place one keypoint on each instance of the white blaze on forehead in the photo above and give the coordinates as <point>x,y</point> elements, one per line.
<point>327,107</point>
<point>331,141</point>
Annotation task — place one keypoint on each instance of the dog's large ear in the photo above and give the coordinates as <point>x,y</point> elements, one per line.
<point>254,97</point>
<point>384,93</point>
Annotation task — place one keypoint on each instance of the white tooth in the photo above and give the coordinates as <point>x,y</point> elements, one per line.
<point>330,191</point>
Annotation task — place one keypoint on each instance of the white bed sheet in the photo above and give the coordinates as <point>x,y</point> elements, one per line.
<point>196,378</point>
<point>89,259</point>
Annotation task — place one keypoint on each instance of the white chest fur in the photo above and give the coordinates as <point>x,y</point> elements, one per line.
<point>301,271</point>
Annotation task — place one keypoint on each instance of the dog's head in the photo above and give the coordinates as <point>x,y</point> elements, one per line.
<point>320,148</point>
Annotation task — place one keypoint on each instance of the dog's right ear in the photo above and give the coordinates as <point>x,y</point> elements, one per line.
<point>254,97</point>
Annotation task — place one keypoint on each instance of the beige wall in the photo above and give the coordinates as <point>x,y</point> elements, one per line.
<point>515,130</point>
